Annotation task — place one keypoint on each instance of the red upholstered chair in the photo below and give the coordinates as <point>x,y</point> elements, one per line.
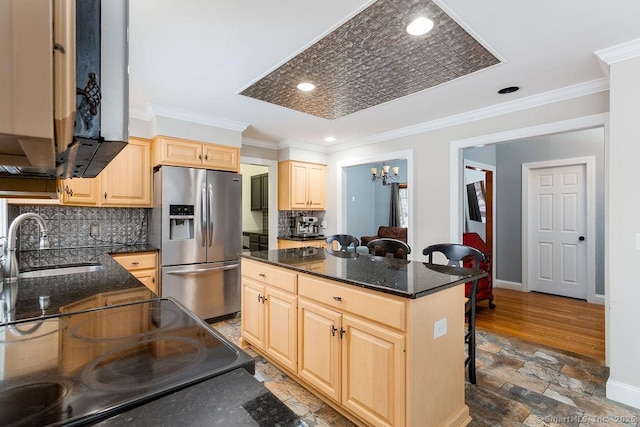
<point>485,285</point>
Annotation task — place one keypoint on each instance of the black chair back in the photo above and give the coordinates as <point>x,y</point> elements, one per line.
<point>345,241</point>
<point>384,246</point>
<point>455,253</point>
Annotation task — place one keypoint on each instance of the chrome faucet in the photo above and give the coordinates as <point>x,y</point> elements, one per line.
<point>9,261</point>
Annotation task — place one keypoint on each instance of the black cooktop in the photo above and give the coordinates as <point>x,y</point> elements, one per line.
<point>77,368</point>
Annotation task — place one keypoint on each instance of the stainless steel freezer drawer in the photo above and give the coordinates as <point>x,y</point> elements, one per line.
<point>209,290</point>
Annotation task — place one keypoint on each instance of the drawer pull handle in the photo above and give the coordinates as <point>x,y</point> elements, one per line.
<point>333,330</point>
<point>135,263</point>
<point>153,280</point>
<point>262,275</point>
<point>338,299</point>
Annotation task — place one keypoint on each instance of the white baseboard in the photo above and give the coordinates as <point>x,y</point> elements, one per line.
<point>596,299</point>
<point>623,393</point>
<point>505,284</point>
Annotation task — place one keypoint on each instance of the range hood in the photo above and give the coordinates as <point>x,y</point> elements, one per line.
<point>67,78</point>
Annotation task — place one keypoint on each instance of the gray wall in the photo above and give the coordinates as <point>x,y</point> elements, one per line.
<point>486,155</point>
<point>508,193</point>
<point>367,203</point>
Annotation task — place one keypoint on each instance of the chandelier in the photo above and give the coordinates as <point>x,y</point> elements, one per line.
<point>384,175</point>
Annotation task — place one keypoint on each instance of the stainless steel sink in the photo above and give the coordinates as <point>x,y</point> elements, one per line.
<point>59,270</point>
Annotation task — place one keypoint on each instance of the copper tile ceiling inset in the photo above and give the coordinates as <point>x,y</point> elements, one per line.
<point>371,59</point>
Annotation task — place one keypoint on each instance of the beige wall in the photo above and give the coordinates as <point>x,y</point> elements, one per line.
<point>431,152</point>
<point>624,224</point>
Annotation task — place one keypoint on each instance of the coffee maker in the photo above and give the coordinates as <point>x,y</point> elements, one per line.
<point>306,226</point>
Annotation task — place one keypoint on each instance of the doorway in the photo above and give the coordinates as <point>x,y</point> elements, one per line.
<point>264,220</point>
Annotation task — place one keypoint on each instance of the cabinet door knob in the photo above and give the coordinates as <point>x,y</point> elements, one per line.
<point>105,195</point>
<point>333,330</point>
<point>153,280</point>
<point>206,157</point>
<point>342,332</point>
<point>199,156</point>
<point>259,298</point>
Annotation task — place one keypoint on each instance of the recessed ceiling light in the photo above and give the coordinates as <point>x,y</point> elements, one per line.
<point>420,26</point>
<point>306,86</point>
<point>329,139</point>
<point>508,89</point>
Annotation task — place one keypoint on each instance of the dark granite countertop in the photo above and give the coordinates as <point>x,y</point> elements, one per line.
<point>261,232</point>
<point>302,239</point>
<point>409,279</point>
<point>233,399</point>
<point>66,289</point>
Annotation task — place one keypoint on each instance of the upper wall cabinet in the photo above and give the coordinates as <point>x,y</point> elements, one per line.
<point>181,152</point>
<point>125,182</point>
<point>302,186</point>
<point>260,192</point>
<point>37,82</point>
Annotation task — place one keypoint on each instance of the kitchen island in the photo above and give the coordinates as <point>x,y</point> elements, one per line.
<point>379,339</point>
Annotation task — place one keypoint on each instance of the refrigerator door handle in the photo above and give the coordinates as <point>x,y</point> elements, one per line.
<point>210,215</point>
<point>203,215</point>
<point>203,270</point>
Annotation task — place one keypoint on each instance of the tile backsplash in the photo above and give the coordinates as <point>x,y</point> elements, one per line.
<point>287,220</point>
<point>69,227</point>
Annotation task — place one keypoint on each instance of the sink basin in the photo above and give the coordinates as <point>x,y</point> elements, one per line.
<point>59,270</point>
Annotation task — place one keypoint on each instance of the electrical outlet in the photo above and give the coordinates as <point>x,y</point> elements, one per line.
<point>94,231</point>
<point>440,328</point>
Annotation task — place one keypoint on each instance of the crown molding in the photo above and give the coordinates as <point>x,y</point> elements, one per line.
<point>566,93</point>
<point>145,114</point>
<point>154,110</point>
<point>617,53</point>
<point>259,143</point>
<point>287,143</point>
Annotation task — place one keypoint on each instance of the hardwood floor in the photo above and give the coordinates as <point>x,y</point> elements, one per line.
<point>564,323</point>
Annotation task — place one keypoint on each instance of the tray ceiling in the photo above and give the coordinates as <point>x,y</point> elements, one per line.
<point>370,60</point>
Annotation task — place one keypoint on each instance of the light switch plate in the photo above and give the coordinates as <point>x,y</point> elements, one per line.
<point>440,328</point>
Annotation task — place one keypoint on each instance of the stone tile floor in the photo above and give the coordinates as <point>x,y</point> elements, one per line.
<point>519,384</point>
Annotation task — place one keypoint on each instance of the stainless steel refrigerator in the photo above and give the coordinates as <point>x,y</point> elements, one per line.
<point>197,224</point>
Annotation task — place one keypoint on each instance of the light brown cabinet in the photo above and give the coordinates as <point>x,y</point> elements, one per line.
<point>181,152</point>
<point>371,355</point>
<point>269,308</point>
<point>79,192</point>
<point>361,353</point>
<point>301,186</point>
<point>38,85</point>
<point>125,182</point>
<point>142,265</point>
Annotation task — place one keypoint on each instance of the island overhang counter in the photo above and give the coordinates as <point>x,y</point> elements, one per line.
<point>379,339</point>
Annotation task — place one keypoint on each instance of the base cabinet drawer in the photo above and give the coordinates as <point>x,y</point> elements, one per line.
<point>143,266</point>
<point>385,309</point>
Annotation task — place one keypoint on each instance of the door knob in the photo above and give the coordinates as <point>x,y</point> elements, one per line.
<point>581,238</point>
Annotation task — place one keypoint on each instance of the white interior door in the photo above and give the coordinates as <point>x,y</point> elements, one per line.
<point>557,227</point>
